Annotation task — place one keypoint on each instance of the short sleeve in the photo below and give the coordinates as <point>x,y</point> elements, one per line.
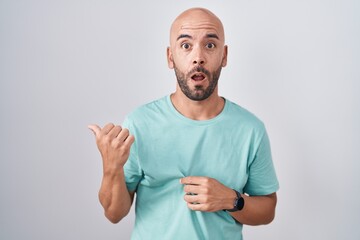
<point>262,178</point>
<point>132,169</point>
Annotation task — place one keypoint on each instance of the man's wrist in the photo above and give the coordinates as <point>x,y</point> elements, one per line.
<point>238,203</point>
<point>113,173</point>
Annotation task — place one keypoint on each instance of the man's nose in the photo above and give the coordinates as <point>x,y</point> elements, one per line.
<point>199,58</point>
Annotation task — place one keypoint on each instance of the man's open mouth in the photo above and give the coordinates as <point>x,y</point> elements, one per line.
<point>198,77</point>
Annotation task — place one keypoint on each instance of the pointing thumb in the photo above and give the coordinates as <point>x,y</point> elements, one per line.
<point>94,128</point>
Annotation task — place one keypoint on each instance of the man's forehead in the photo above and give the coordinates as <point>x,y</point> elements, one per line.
<point>193,20</point>
<point>197,32</point>
<point>198,25</point>
<point>200,20</point>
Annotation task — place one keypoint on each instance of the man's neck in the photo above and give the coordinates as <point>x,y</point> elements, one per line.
<point>198,110</point>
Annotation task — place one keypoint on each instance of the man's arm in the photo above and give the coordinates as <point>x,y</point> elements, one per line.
<point>115,197</point>
<point>209,195</point>
<point>114,145</point>
<point>257,210</point>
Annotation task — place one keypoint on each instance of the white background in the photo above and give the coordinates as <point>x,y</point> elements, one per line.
<point>65,64</point>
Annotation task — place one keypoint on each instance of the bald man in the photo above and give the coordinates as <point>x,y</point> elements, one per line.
<point>199,164</point>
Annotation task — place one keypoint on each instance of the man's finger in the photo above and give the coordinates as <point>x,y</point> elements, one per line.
<point>129,140</point>
<point>114,131</point>
<point>189,188</point>
<point>94,128</point>
<point>123,135</point>
<point>197,206</point>
<point>192,198</point>
<point>193,180</point>
<point>107,128</point>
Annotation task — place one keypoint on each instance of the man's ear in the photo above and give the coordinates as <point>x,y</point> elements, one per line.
<point>170,59</point>
<point>224,60</point>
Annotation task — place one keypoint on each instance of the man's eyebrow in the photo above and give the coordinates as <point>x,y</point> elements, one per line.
<point>212,35</point>
<point>209,35</point>
<point>184,36</point>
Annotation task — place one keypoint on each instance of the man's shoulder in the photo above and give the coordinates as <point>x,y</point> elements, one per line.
<point>243,116</point>
<point>148,110</point>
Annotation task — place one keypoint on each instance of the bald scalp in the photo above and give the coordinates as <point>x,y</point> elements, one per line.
<point>195,18</point>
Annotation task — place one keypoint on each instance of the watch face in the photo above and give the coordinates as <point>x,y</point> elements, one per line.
<point>240,203</point>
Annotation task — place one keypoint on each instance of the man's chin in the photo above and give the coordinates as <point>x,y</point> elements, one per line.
<point>197,96</point>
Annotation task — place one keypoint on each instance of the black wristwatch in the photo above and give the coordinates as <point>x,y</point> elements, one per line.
<point>238,203</point>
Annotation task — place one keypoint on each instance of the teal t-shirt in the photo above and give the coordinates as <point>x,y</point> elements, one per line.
<point>232,148</point>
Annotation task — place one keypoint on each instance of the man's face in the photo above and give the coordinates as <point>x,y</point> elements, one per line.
<point>197,53</point>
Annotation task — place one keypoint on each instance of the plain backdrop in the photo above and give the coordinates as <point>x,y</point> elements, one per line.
<point>66,64</point>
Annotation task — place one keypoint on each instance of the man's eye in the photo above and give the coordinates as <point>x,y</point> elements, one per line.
<point>185,46</point>
<point>210,45</point>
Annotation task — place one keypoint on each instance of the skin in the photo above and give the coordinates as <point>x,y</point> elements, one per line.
<point>199,29</point>
<point>197,48</point>
<point>114,145</point>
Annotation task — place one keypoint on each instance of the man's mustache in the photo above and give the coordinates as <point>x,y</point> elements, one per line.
<point>199,69</point>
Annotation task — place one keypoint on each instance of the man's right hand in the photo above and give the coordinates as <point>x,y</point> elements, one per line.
<point>114,145</point>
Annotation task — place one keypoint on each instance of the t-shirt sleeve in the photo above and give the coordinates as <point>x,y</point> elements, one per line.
<point>132,169</point>
<point>262,178</point>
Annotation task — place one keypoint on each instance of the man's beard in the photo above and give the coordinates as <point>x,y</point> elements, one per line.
<point>199,93</point>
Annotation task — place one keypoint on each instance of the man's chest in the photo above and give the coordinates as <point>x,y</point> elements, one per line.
<point>217,153</point>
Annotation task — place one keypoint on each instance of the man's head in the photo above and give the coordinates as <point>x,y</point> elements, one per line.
<point>197,52</point>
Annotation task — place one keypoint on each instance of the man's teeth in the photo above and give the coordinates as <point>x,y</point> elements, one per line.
<point>198,77</point>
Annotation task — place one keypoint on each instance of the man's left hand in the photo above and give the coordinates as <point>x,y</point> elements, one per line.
<point>207,194</point>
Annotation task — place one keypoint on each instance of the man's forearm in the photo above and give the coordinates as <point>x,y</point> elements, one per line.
<point>114,145</point>
<point>114,196</point>
<point>257,210</point>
